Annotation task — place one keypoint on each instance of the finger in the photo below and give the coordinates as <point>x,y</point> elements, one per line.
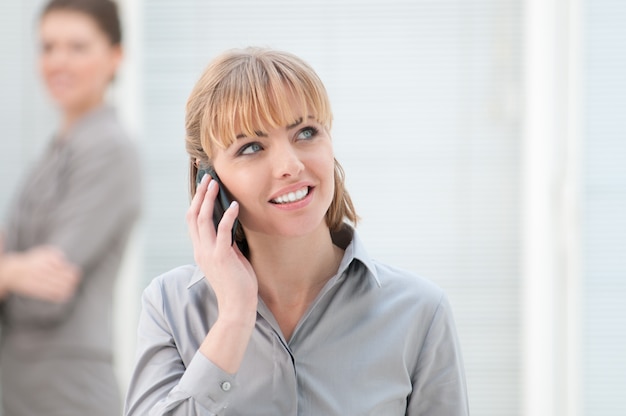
<point>56,262</point>
<point>194,209</point>
<point>71,276</point>
<point>60,294</point>
<point>64,285</point>
<point>56,293</point>
<point>46,289</point>
<point>53,259</point>
<point>206,229</point>
<point>224,235</point>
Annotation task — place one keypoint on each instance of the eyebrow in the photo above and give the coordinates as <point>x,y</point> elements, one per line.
<point>298,122</point>
<point>289,127</point>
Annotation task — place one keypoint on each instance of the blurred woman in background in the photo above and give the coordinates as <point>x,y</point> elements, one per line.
<point>68,227</point>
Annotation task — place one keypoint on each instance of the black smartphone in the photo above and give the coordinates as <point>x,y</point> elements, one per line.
<point>221,202</point>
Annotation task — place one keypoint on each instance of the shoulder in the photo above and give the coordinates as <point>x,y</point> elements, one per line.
<point>408,288</point>
<point>99,148</point>
<point>183,285</point>
<point>102,131</point>
<point>416,304</point>
<point>393,285</point>
<point>172,281</point>
<point>182,304</point>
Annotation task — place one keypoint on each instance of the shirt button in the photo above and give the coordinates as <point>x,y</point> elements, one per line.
<point>226,386</point>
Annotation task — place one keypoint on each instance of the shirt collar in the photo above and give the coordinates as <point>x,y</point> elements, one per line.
<point>85,121</point>
<point>197,276</point>
<point>348,239</point>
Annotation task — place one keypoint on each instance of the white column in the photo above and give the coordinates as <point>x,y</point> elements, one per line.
<point>572,210</point>
<point>550,262</point>
<point>127,96</point>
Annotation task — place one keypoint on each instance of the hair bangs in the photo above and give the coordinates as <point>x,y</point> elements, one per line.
<point>262,93</point>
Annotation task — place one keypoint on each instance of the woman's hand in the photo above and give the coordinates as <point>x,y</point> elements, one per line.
<point>230,275</point>
<point>42,273</point>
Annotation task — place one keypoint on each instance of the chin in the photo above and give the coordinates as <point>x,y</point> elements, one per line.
<point>64,102</point>
<point>302,229</point>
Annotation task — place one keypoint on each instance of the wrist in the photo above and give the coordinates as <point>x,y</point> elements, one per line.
<point>240,316</point>
<point>6,261</point>
<point>227,341</point>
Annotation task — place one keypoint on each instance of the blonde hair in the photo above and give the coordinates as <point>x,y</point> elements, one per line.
<point>245,91</point>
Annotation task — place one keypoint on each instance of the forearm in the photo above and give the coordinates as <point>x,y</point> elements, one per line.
<point>8,270</point>
<point>41,283</point>
<point>3,277</point>
<point>227,341</point>
<point>164,382</point>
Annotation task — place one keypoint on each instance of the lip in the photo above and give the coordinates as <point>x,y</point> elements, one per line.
<point>297,204</point>
<point>60,82</point>
<point>291,188</point>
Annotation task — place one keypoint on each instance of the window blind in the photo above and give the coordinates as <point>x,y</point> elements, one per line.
<point>26,116</point>
<point>604,203</point>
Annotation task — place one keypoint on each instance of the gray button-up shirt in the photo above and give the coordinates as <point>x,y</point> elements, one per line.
<point>376,341</point>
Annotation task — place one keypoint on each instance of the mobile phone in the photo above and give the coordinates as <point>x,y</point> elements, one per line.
<point>221,201</point>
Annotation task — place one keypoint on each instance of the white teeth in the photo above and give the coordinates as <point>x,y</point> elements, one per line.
<point>292,196</point>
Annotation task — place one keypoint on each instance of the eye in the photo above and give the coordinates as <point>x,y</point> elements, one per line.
<point>46,48</point>
<point>78,47</point>
<point>250,148</point>
<point>307,133</point>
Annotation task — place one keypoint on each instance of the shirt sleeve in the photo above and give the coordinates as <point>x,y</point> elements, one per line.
<point>100,202</point>
<point>161,383</point>
<point>439,387</point>
<point>101,199</point>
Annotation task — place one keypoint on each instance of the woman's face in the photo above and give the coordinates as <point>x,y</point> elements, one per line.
<point>77,60</point>
<point>282,179</point>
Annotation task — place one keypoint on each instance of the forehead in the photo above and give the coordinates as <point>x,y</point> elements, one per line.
<point>60,24</point>
<point>285,112</point>
<point>283,109</point>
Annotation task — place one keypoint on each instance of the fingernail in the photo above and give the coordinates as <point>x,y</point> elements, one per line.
<point>204,178</point>
<point>233,204</point>
<point>212,184</point>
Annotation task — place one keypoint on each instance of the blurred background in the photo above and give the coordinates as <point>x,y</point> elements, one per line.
<point>484,143</point>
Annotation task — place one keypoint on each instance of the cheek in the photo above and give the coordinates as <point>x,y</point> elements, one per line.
<point>327,165</point>
<point>239,187</point>
<point>93,70</point>
<point>45,65</point>
<point>96,71</point>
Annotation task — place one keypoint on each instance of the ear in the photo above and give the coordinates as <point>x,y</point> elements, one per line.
<point>116,56</point>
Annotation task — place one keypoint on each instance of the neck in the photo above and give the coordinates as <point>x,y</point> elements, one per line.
<point>293,270</point>
<point>72,115</point>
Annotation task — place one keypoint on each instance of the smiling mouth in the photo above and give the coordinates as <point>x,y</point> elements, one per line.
<point>290,197</point>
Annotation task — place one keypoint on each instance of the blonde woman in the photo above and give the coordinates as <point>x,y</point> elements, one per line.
<point>293,317</point>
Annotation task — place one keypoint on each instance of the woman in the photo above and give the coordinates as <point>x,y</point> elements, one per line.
<point>296,318</point>
<point>68,228</point>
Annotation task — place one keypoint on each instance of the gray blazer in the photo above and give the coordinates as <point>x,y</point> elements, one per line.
<point>83,196</point>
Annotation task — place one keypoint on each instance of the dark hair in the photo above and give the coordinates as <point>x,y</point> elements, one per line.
<point>103,12</point>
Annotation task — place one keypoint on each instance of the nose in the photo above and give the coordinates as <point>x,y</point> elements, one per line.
<point>54,58</point>
<point>286,160</point>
